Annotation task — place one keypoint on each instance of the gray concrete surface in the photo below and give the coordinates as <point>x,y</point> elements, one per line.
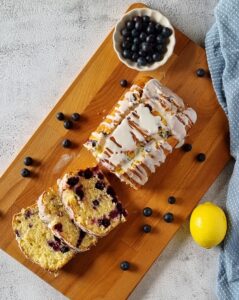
<point>43,46</point>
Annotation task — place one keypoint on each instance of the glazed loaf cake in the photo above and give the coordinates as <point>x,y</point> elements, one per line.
<point>53,213</point>
<point>37,241</point>
<point>91,202</point>
<point>141,130</point>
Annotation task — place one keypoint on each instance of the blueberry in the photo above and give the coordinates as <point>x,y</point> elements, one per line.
<point>136,40</point>
<point>146,47</point>
<point>160,39</point>
<point>75,117</point>
<point>72,181</point>
<point>128,39</point>
<point>171,200</point>
<point>150,38</point>
<point>200,72</point>
<point>68,124</point>
<point>138,25</point>
<point>166,32</point>
<point>141,61</point>
<point>135,56</point>
<point>201,157</point>
<point>143,36</point>
<point>100,185</point>
<point>150,28</point>
<point>105,222</point>
<point>126,45</point>
<point>147,228</point>
<point>64,249</point>
<point>137,19</point>
<point>158,28</point>
<point>160,48</point>
<point>187,147</point>
<point>60,116</point>
<point>130,25</point>
<point>149,59</point>
<point>135,33</point>
<point>25,172</point>
<point>142,53</point>
<point>146,18</point>
<point>66,143</point>
<point>96,202</point>
<point>79,192</point>
<point>125,265</point>
<point>127,53</point>
<point>147,211</point>
<point>58,227</point>
<point>87,173</point>
<point>125,32</point>
<point>157,56</point>
<point>28,161</point>
<point>110,191</point>
<point>123,82</point>
<point>135,48</point>
<point>168,217</point>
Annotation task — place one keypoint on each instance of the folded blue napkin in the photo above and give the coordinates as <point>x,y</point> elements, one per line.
<point>222,48</point>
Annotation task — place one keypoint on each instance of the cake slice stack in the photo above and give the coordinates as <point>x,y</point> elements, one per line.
<point>68,221</point>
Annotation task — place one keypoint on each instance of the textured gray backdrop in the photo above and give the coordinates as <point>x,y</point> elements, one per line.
<point>43,46</point>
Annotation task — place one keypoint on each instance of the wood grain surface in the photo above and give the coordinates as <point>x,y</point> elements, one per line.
<point>96,274</point>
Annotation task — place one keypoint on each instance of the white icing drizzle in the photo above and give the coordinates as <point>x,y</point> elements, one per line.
<point>138,143</point>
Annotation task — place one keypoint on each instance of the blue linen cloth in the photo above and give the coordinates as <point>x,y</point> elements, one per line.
<point>222,48</point>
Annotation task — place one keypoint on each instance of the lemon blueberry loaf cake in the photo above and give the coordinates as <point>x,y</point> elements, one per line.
<point>141,130</point>
<point>54,214</point>
<point>37,241</point>
<point>91,202</point>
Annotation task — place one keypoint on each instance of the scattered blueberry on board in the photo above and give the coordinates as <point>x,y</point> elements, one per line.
<point>187,147</point>
<point>171,200</point>
<point>28,161</point>
<point>25,172</point>
<point>147,212</point>
<point>66,143</point>
<point>200,72</point>
<point>123,83</point>
<point>144,41</point>
<point>201,157</point>
<point>124,265</point>
<point>168,217</point>
<point>147,228</point>
<point>75,117</point>
<point>60,116</point>
<point>68,124</point>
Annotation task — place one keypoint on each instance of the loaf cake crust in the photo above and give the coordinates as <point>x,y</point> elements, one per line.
<point>53,213</point>
<point>37,241</point>
<point>91,202</point>
<point>141,130</point>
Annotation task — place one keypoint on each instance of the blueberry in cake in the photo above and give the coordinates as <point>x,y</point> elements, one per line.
<point>91,202</point>
<point>37,241</point>
<point>53,213</point>
<point>141,130</point>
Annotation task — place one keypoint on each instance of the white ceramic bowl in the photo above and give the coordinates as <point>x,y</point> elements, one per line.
<point>155,16</point>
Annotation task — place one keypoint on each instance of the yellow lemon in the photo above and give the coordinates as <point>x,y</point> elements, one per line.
<point>208,225</point>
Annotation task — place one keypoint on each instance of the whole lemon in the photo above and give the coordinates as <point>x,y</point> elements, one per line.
<point>208,225</point>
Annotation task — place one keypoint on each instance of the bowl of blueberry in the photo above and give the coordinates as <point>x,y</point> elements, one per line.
<point>144,39</point>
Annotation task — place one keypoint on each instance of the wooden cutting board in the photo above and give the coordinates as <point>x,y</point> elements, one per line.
<point>96,274</point>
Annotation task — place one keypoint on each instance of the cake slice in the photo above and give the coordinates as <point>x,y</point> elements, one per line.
<point>53,213</point>
<point>91,202</point>
<point>141,130</point>
<point>37,241</point>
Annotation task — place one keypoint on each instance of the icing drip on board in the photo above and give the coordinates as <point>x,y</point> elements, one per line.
<point>139,128</point>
